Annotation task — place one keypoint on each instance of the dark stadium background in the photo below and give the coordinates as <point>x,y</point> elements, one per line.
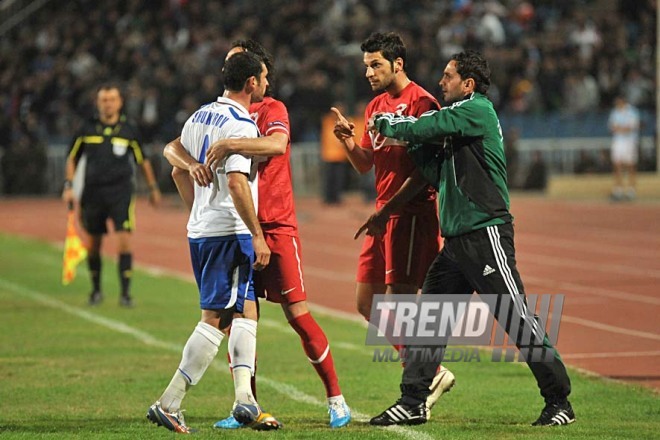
<point>556,67</point>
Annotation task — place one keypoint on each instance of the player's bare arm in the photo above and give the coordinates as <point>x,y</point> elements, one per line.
<point>376,223</point>
<point>178,157</point>
<point>184,186</point>
<point>361,159</point>
<point>154,191</point>
<point>242,198</point>
<point>267,146</point>
<point>186,171</point>
<point>70,171</point>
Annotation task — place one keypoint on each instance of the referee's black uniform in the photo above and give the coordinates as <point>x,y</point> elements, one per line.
<point>111,153</point>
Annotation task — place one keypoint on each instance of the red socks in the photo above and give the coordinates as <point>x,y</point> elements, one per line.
<point>317,348</point>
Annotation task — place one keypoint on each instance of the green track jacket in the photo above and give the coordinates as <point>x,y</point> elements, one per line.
<point>459,149</point>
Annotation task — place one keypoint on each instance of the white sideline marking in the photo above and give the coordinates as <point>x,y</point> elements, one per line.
<point>352,347</point>
<point>283,388</point>
<point>312,271</point>
<point>334,313</point>
<point>358,319</point>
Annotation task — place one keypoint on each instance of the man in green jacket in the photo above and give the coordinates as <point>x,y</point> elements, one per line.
<point>460,150</point>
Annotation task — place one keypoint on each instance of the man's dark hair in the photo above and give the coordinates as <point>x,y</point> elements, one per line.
<point>253,46</point>
<point>109,85</point>
<point>239,68</point>
<point>471,64</point>
<point>256,48</point>
<point>389,44</point>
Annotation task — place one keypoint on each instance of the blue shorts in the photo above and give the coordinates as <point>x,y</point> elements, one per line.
<point>223,270</point>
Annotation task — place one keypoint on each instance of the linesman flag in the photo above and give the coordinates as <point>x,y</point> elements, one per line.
<point>74,250</point>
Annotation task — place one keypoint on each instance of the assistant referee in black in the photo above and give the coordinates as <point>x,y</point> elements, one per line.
<point>108,147</point>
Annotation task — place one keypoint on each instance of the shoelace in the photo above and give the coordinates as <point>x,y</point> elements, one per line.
<point>549,410</point>
<point>339,409</point>
<point>179,416</point>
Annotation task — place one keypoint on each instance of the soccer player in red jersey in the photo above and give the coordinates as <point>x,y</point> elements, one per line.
<point>282,281</point>
<point>403,237</point>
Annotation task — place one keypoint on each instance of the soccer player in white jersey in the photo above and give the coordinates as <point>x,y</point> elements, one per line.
<point>226,245</point>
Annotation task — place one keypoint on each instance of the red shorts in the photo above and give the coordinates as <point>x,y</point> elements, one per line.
<point>282,280</point>
<point>403,254</point>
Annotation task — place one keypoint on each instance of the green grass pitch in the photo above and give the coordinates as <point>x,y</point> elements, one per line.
<point>71,371</point>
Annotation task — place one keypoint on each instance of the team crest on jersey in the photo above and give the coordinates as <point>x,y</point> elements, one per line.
<point>119,146</point>
<point>400,109</point>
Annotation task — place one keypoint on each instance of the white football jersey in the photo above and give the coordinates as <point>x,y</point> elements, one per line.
<point>213,213</point>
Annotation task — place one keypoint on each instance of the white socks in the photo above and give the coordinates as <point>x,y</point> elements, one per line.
<point>243,347</point>
<point>198,353</point>
<point>335,399</point>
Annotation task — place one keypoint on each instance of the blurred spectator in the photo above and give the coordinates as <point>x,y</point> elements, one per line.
<point>524,96</point>
<point>603,161</point>
<point>150,114</point>
<point>586,163</point>
<point>586,37</point>
<point>581,92</point>
<point>335,162</point>
<point>168,54</point>
<point>23,164</point>
<point>511,154</point>
<point>638,90</point>
<point>537,173</point>
<point>551,80</point>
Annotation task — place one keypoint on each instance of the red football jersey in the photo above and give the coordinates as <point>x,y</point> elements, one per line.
<point>277,213</point>
<point>391,162</point>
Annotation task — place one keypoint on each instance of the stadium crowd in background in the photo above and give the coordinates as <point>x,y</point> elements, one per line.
<point>166,52</point>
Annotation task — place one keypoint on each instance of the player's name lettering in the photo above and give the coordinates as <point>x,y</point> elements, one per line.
<point>207,117</point>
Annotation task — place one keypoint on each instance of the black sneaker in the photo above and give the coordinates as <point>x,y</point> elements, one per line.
<point>555,414</point>
<point>126,301</point>
<point>401,414</point>
<point>95,298</point>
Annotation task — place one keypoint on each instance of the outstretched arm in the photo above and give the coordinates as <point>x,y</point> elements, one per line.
<point>465,119</point>
<point>271,145</point>
<point>361,159</point>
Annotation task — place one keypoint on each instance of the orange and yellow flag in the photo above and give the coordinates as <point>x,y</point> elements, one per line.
<point>74,250</point>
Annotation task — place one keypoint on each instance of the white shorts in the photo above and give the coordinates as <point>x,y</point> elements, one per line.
<point>624,151</point>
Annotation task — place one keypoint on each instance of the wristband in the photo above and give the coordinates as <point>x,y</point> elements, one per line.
<point>68,184</point>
